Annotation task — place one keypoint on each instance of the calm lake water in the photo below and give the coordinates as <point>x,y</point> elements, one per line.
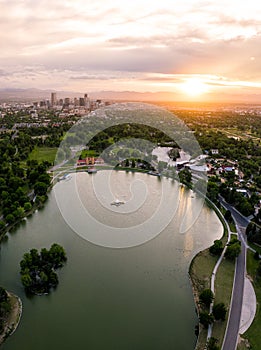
<point>134,298</point>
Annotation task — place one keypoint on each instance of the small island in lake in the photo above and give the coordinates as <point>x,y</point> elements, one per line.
<point>38,274</point>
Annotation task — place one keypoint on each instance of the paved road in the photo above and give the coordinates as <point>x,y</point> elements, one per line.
<point>230,341</point>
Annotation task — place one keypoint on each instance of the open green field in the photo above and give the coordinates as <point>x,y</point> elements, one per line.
<point>43,154</point>
<point>253,333</point>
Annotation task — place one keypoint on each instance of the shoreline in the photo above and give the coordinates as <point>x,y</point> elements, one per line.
<point>13,318</point>
<point>194,279</point>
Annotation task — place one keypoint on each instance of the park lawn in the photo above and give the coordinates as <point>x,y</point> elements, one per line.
<point>242,346</point>
<point>200,273</point>
<point>254,246</point>
<point>232,225</point>
<point>42,154</point>
<point>223,291</point>
<point>253,333</point>
<point>89,153</point>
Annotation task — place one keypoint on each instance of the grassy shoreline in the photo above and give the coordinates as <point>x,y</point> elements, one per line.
<point>200,272</point>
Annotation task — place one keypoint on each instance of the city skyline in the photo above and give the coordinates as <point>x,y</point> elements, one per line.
<point>197,50</point>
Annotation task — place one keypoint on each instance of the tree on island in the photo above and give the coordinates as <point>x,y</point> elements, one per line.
<point>38,269</point>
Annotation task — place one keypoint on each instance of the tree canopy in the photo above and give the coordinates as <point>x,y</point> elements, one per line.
<point>38,269</point>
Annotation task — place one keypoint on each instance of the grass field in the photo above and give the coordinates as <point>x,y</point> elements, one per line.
<point>200,273</point>
<point>43,153</point>
<point>223,290</point>
<point>253,333</point>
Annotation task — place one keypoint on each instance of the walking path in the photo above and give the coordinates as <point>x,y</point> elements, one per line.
<point>249,307</point>
<point>213,277</point>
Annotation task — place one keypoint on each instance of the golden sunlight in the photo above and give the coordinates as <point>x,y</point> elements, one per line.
<point>194,87</point>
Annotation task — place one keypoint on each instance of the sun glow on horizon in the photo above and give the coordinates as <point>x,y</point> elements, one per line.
<point>194,87</point>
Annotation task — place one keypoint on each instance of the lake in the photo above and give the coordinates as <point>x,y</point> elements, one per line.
<point>135,298</point>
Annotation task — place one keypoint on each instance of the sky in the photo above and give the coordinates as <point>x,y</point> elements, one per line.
<point>195,49</point>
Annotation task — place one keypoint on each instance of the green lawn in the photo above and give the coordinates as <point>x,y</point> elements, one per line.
<point>232,226</point>
<point>223,290</point>
<point>200,273</point>
<point>253,333</point>
<point>254,246</point>
<point>89,153</point>
<point>43,153</point>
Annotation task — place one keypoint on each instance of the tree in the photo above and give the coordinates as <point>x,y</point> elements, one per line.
<point>127,163</point>
<point>212,344</point>
<point>10,219</point>
<point>3,295</point>
<point>206,319</point>
<point>219,311</point>
<point>133,163</point>
<point>228,215</point>
<point>26,280</point>
<point>206,297</point>
<point>41,188</point>
<point>217,247</point>
<point>185,177</point>
<point>161,166</point>
<point>27,206</point>
<point>233,249</point>
<point>2,225</point>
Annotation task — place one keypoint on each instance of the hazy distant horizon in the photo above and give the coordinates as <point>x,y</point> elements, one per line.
<point>205,50</point>
<point>32,94</point>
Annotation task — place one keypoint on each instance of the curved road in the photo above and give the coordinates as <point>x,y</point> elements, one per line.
<point>231,336</point>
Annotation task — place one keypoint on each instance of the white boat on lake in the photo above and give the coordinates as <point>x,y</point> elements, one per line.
<point>117,202</point>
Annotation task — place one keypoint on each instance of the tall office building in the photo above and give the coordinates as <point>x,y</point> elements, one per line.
<point>53,99</point>
<point>86,101</point>
<point>81,101</point>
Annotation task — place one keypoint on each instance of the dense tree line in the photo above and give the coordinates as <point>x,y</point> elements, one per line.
<point>19,184</point>
<point>115,133</point>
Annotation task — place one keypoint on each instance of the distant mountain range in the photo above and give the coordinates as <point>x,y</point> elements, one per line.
<point>31,95</point>
<point>37,94</point>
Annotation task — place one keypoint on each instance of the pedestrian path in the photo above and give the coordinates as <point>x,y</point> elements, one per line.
<point>248,307</point>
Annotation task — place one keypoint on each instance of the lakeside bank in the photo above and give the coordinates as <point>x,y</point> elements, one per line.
<point>12,320</point>
<point>201,272</point>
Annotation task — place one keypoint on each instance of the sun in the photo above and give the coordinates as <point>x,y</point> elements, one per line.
<point>194,87</point>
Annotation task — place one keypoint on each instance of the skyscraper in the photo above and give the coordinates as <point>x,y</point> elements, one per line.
<point>53,99</point>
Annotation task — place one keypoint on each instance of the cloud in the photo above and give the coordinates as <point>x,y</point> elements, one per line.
<point>70,42</point>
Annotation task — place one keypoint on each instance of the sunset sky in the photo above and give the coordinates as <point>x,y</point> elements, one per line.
<point>195,49</point>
